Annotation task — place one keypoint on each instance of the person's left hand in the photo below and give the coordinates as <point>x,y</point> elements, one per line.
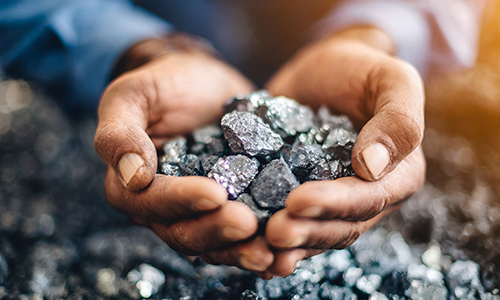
<point>383,96</point>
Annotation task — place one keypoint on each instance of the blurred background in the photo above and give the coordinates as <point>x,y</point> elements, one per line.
<point>60,239</point>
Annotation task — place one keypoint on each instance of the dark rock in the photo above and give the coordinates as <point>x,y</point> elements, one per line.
<point>218,146</point>
<point>170,169</point>
<point>338,145</point>
<point>208,162</point>
<point>328,121</point>
<point>235,173</point>
<point>190,165</point>
<point>273,184</point>
<point>239,104</point>
<point>4,269</point>
<point>247,134</point>
<point>322,171</point>
<point>262,215</point>
<point>303,158</point>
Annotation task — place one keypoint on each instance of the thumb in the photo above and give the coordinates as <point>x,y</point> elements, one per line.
<point>397,125</point>
<point>121,140</point>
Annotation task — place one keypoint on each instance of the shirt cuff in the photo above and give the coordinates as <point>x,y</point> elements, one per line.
<point>402,21</point>
<point>96,43</point>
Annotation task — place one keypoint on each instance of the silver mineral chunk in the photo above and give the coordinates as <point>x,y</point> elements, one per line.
<point>235,173</point>
<point>248,134</point>
<point>288,116</point>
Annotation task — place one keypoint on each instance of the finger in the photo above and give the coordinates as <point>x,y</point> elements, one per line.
<point>397,126</point>
<point>336,199</point>
<point>284,231</point>
<point>265,275</point>
<point>285,261</point>
<point>168,198</point>
<point>121,140</point>
<point>231,223</point>
<point>254,255</point>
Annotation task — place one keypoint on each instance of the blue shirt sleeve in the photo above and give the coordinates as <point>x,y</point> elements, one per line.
<point>69,47</point>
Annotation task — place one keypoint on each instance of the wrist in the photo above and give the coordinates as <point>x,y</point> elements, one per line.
<point>148,50</point>
<point>371,36</point>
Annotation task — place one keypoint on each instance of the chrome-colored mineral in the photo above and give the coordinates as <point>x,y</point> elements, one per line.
<point>288,116</point>
<point>247,134</point>
<point>235,173</point>
<point>174,150</point>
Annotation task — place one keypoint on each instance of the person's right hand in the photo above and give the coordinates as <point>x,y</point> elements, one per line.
<point>170,96</point>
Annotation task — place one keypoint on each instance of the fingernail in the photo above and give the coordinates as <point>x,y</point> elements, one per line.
<point>250,264</point>
<point>310,212</point>
<point>233,233</point>
<point>297,241</point>
<point>128,166</point>
<point>376,158</point>
<point>206,204</point>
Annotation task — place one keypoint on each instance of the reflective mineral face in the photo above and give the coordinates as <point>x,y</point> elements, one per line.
<point>263,148</point>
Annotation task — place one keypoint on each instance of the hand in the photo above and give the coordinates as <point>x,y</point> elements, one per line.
<point>173,95</point>
<point>383,96</point>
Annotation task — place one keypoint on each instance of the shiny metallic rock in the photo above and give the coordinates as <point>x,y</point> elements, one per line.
<point>239,104</point>
<point>303,158</point>
<point>170,169</point>
<point>247,134</point>
<point>273,184</point>
<point>328,121</point>
<point>287,115</point>
<point>174,150</point>
<point>235,173</point>
<point>339,144</point>
<point>321,171</point>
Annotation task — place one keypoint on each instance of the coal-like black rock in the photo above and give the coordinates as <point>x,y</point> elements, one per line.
<point>273,184</point>
<point>247,134</point>
<point>235,173</point>
<point>303,158</point>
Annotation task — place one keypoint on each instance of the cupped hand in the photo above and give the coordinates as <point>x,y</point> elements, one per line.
<point>384,97</point>
<point>170,96</point>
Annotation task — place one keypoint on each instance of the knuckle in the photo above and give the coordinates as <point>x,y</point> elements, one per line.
<point>177,238</point>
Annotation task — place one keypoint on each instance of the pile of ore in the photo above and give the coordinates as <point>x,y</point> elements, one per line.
<point>263,148</point>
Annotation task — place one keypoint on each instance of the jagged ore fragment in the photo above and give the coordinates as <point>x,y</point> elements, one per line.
<point>208,162</point>
<point>303,158</point>
<point>235,173</point>
<point>287,116</point>
<point>339,144</point>
<point>190,165</point>
<point>247,134</point>
<point>170,169</point>
<point>273,184</point>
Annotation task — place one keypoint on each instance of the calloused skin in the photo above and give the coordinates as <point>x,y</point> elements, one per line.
<point>171,96</point>
<point>384,97</point>
<point>180,92</point>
